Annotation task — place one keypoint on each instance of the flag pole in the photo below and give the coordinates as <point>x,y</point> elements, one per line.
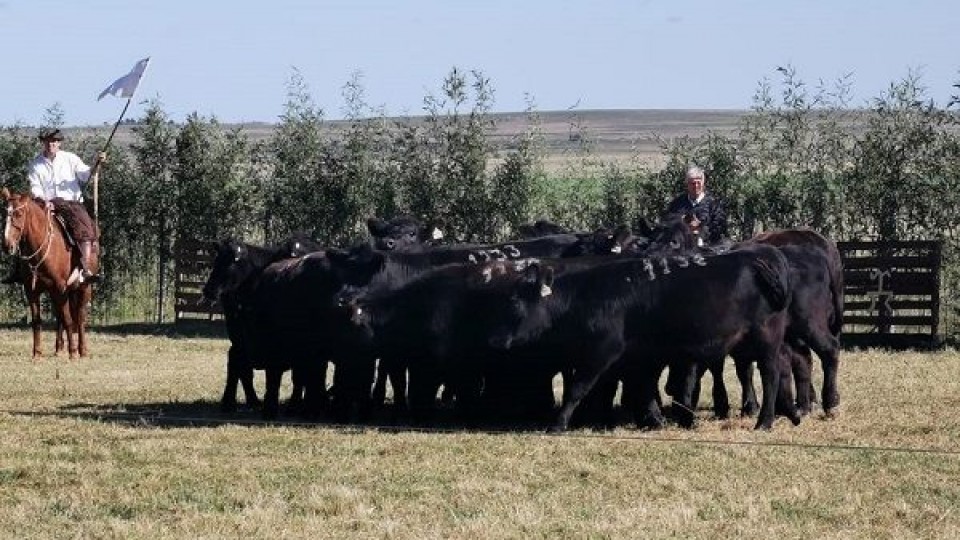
<point>125,86</point>
<point>96,166</point>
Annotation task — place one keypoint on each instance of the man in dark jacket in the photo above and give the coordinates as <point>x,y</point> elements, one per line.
<point>705,214</point>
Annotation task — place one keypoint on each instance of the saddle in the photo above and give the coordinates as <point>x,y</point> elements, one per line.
<point>65,230</point>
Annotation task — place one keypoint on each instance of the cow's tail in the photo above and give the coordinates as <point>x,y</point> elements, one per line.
<point>774,282</point>
<point>836,289</point>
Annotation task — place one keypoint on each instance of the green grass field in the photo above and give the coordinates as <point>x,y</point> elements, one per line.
<point>72,465</point>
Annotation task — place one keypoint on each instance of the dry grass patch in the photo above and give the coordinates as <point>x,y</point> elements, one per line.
<point>64,472</point>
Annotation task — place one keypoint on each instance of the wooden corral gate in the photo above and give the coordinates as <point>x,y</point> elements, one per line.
<point>891,294</point>
<point>193,262</point>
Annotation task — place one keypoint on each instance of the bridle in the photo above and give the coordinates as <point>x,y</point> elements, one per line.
<point>43,250</point>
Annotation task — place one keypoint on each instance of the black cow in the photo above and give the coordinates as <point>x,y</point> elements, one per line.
<point>294,326</point>
<point>232,280</point>
<point>402,233</point>
<point>634,307</point>
<point>541,227</point>
<point>815,320</point>
<point>816,309</point>
<point>437,324</point>
<point>362,266</point>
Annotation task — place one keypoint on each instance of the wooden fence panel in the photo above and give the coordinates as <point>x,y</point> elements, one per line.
<point>891,293</point>
<point>194,260</point>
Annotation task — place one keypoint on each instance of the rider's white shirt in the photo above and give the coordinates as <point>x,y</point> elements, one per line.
<point>63,177</point>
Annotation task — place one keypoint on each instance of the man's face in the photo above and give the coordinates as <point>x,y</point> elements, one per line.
<point>694,185</point>
<point>50,147</point>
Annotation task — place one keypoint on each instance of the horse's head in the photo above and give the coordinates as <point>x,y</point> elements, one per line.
<point>18,207</point>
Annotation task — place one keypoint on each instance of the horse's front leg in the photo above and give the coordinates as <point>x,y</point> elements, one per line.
<point>58,343</point>
<point>33,299</point>
<point>78,307</point>
<point>61,304</point>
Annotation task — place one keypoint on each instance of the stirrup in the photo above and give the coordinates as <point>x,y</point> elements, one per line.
<point>88,277</point>
<point>76,276</point>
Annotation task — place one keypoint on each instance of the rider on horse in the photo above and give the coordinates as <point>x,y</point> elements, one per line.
<point>57,177</point>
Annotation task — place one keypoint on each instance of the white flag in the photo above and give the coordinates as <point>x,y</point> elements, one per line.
<point>125,86</point>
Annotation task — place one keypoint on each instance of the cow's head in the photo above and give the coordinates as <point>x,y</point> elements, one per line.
<point>300,244</point>
<point>522,312</point>
<point>231,266</point>
<point>403,233</point>
<point>357,265</point>
<point>671,237</point>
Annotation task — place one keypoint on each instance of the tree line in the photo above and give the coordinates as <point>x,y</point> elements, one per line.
<point>802,156</point>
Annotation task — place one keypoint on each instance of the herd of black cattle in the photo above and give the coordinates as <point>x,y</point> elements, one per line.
<point>493,325</point>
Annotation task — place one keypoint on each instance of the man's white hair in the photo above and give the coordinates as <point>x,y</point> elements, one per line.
<point>693,170</point>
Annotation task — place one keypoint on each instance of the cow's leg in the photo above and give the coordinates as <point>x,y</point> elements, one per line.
<point>271,396</point>
<point>827,348</point>
<point>786,404</point>
<point>228,401</point>
<point>749,405</point>
<point>797,356</point>
<point>771,368</point>
<point>353,378</point>
<point>398,383</point>
<point>299,375</point>
<point>238,371</point>
<point>641,383</point>
<point>721,400</point>
<point>244,373</point>
<point>424,383</point>
<point>606,353</point>
<point>378,395</point>
<point>685,402</point>
<point>596,409</point>
<point>467,382</point>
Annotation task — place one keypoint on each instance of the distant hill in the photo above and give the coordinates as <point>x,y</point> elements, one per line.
<point>616,133</point>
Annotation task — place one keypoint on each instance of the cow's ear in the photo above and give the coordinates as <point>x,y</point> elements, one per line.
<point>538,280</point>
<point>376,226</point>
<point>546,276</point>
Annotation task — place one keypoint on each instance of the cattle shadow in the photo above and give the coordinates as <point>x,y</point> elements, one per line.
<point>180,329</point>
<point>207,413</point>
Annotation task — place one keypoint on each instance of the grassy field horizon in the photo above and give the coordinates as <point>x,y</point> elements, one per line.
<point>616,134</point>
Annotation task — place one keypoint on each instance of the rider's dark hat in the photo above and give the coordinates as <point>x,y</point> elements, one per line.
<point>50,135</point>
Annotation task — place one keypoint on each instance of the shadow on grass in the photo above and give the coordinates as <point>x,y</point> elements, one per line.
<point>182,329</point>
<point>203,414</point>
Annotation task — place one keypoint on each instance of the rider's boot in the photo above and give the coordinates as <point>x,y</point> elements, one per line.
<point>88,259</point>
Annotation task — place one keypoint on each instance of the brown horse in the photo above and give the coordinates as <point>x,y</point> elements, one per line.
<point>33,235</point>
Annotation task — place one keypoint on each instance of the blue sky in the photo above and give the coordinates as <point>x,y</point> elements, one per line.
<point>233,59</point>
